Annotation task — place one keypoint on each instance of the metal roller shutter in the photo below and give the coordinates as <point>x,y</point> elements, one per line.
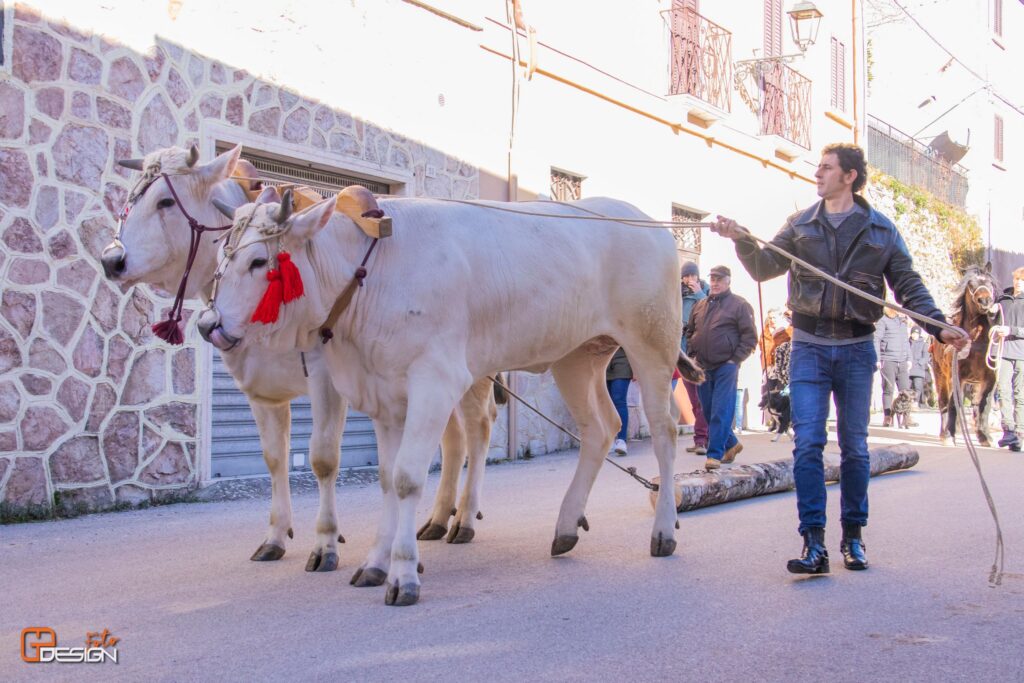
<point>235,441</point>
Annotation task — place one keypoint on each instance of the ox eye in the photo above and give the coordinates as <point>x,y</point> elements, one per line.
<point>257,263</point>
<point>165,203</point>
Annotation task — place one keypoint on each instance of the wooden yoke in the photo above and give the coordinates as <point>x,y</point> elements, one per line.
<point>355,201</point>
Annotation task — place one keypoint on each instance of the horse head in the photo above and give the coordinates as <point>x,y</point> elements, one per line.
<point>978,292</point>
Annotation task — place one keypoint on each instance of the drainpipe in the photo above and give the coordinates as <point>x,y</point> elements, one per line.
<point>856,122</point>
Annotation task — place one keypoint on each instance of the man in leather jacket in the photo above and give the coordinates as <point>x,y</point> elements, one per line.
<point>833,351</point>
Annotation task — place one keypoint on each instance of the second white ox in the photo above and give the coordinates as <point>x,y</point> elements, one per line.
<point>457,293</point>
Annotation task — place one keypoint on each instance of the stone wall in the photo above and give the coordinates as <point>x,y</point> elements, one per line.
<point>94,411</point>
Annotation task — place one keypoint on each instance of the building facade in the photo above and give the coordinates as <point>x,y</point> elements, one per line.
<point>685,109</point>
<point>960,99</point>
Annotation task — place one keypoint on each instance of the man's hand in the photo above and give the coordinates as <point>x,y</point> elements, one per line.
<point>958,340</point>
<point>726,227</point>
<point>1001,330</point>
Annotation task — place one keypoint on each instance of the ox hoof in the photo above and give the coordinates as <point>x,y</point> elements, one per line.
<point>291,534</point>
<point>984,440</point>
<point>419,567</point>
<point>341,539</point>
<point>479,515</point>
<point>431,532</point>
<point>268,552</point>
<point>368,577</point>
<point>320,561</point>
<point>460,534</point>
<point>563,544</point>
<point>662,546</point>
<point>402,596</point>
<point>582,522</point>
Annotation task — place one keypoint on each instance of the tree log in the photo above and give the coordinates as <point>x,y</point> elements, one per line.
<point>701,489</point>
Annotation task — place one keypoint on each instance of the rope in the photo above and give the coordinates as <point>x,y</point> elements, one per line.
<point>994,360</point>
<point>631,471</point>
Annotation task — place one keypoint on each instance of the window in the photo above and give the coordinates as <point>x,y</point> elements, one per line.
<point>687,237</point>
<point>999,138</point>
<point>565,186</point>
<point>772,28</point>
<point>997,17</point>
<point>838,99</point>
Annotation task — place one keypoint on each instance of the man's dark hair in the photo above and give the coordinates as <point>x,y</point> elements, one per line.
<point>851,158</point>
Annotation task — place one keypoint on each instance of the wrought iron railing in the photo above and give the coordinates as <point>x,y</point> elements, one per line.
<point>913,163</point>
<point>701,58</point>
<point>785,105</point>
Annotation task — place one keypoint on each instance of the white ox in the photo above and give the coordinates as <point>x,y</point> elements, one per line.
<point>457,293</point>
<point>152,248</point>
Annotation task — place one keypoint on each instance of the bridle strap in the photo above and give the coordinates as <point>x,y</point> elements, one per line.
<point>196,230</point>
<point>345,298</point>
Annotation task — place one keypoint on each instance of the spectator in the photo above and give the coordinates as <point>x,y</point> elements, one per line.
<point>1011,370</point>
<point>693,290</point>
<point>720,334</point>
<point>892,346</point>
<point>920,362</point>
<point>618,376</point>
<point>832,354</point>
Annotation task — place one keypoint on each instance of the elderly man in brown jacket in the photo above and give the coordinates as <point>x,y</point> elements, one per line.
<point>720,334</point>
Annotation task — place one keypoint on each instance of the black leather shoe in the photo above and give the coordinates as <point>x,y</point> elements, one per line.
<point>853,549</point>
<point>814,559</point>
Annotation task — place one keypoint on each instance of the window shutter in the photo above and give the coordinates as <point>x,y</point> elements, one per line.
<point>999,138</point>
<point>997,17</point>
<point>841,98</point>
<point>834,81</point>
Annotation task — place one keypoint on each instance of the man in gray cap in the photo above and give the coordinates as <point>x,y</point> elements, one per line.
<point>693,290</point>
<point>720,334</point>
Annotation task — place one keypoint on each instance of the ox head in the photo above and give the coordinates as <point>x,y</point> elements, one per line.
<point>153,239</point>
<point>263,231</point>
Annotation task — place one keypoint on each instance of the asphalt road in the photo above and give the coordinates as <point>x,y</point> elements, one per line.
<point>176,586</point>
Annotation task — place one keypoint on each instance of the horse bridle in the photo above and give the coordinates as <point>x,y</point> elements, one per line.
<point>169,329</point>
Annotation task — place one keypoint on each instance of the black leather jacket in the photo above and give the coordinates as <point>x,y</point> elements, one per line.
<point>876,251</point>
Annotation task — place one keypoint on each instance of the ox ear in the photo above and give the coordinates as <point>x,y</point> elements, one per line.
<point>988,267</point>
<point>306,224</point>
<point>220,168</point>
<point>269,195</point>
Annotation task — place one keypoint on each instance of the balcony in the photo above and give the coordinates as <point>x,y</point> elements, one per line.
<point>785,106</point>
<point>701,67</point>
<point>913,163</point>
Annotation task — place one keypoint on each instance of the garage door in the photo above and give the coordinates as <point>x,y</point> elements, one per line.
<point>235,440</point>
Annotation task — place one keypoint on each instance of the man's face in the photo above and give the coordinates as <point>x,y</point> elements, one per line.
<point>719,283</point>
<point>692,281</point>
<point>832,182</point>
<point>1018,285</point>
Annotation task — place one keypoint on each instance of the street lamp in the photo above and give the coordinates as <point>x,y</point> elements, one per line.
<point>804,21</point>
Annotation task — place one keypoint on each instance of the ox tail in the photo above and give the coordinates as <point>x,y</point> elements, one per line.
<point>500,395</point>
<point>689,369</point>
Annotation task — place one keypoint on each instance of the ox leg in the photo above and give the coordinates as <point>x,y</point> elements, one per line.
<point>479,412</point>
<point>453,456</point>
<point>580,379</point>
<point>655,378</point>
<point>329,413</point>
<point>274,424</point>
<point>431,401</point>
<point>374,570</point>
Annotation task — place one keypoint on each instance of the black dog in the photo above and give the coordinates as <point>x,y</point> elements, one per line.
<point>901,406</point>
<point>775,400</point>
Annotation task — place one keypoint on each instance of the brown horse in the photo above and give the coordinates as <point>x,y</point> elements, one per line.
<point>974,311</point>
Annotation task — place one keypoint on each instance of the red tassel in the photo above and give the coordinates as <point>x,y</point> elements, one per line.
<point>270,305</point>
<point>170,331</point>
<point>290,278</point>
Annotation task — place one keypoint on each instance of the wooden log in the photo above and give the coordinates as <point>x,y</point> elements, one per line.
<point>702,489</point>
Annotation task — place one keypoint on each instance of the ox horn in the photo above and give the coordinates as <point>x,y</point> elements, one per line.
<point>224,208</point>
<point>134,164</point>
<point>193,156</point>
<point>286,207</point>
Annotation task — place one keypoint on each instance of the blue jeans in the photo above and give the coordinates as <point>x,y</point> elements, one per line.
<point>846,373</point>
<point>617,389</point>
<point>718,401</point>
